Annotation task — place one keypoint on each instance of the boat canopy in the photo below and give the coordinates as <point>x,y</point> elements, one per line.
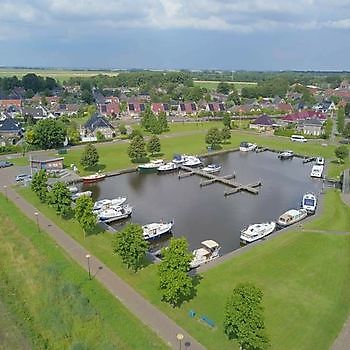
<point>209,243</point>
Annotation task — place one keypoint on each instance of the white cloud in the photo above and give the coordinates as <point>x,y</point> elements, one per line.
<point>246,16</point>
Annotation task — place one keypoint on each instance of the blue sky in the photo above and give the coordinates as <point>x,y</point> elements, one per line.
<point>169,34</point>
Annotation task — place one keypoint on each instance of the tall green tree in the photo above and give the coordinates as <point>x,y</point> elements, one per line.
<point>163,122</point>
<point>153,145</point>
<point>225,133</point>
<point>49,133</point>
<point>346,132</point>
<point>226,120</point>
<point>131,246</point>
<point>136,149</point>
<point>60,198</point>
<point>84,214</point>
<point>340,120</point>
<point>39,185</point>
<point>347,109</point>
<point>148,119</point>
<point>342,152</point>
<point>175,283</point>
<point>223,88</point>
<point>244,320</point>
<point>213,137</point>
<point>89,157</point>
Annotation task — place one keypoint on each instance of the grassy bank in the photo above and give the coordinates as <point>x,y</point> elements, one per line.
<point>304,277</point>
<point>59,307</point>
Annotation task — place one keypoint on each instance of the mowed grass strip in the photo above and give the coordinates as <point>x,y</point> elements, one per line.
<point>59,306</point>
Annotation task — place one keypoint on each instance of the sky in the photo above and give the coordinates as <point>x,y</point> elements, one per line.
<point>176,34</point>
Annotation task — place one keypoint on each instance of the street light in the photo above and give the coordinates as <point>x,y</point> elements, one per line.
<point>37,220</point>
<point>88,256</point>
<point>5,188</point>
<point>180,337</point>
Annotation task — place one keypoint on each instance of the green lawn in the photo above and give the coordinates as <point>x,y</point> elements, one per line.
<point>336,214</point>
<point>57,305</point>
<point>212,85</point>
<point>304,277</point>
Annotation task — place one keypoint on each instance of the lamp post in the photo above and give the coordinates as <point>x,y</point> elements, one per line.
<point>88,256</point>
<point>5,188</point>
<point>180,337</point>
<point>37,220</point>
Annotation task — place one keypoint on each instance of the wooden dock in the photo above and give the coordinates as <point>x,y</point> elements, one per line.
<point>225,180</point>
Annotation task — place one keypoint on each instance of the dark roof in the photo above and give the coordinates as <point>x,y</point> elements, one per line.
<point>33,112</point>
<point>263,120</point>
<point>98,121</point>
<point>10,125</point>
<point>311,122</point>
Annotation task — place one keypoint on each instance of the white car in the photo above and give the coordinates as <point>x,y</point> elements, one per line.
<point>23,177</point>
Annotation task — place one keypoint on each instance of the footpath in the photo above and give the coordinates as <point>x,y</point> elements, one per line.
<point>161,324</point>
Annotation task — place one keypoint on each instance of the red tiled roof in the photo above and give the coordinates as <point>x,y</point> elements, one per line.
<point>303,115</point>
<point>12,102</point>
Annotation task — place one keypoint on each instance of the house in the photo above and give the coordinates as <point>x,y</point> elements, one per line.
<point>5,103</point>
<point>215,107</point>
<point>98,97</point>
<point>284,107</point>
<point>160,107</point>
<point>294,96</point>
<point>304,115</point>
<point>311,127</point>
<point>37,113</point>
<point>111,109</point>
<point>218,97</point>
<point>48,164</point>
<point>10,130</point>
<point>262,123</point>
<point>66,108</point>
<point>97,123</point>
<point>187,108</point>
<point>344,85</point>
<point>325,107</point>
<point>135,108</point>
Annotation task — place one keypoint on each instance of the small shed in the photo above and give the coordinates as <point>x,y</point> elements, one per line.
<point>262,123</point>
<point>48,164</point>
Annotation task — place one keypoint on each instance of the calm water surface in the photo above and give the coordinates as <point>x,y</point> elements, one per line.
<point>205,213</point>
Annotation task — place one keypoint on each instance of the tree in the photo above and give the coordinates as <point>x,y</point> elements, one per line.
<point>174,281</point>
<point>122,129</point>
<point>84,213</point>
<point>153,145</point>
<point>60,198</point>
<point>226,119</point>
<point>73,135</point>
<point>163,122</point>
<point>340,120</point>
<point>243,319</point>
<point>49,133</point>
<point>86,96</point>
<point>135,132</point>
<point>347,109</point>
<point>342,152</point>
<point>131,246</point>
<point>136,149</point>
<point>39,185</point>
<point>100,136</point>
<point>90,156</point>
<point>213,137</point>
<point>346,131</point>
<point>225,133</point>
<point>223,88</point>
<point>148,119</point>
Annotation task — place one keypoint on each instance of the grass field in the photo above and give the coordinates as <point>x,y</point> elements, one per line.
<point>304,277</point>
<point>212,85</point>
<point>59,74</point>
<point>57,305</point>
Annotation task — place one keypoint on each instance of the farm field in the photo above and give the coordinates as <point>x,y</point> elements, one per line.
<point>212,84</point>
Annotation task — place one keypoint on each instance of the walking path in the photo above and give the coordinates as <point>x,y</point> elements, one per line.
<point>161,324</point>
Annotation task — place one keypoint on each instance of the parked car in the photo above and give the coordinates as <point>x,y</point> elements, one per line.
<point>5,164</point>
<point>23,177</point>
<point>345,141</point>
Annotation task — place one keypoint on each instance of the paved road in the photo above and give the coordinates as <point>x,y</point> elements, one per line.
<point>146,312</point>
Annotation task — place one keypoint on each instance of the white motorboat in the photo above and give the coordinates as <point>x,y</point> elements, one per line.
<point>93,178</point>
<point>150,167</point>
<point>115,213</point>
<point>291,216</point>
<point>309,202</point>
<point>247,146</point>
<point>106,203</point>
<point>317,171</point>
<point>319,161</point>
<point>77,195</point>
<point>257,231</point>
<point>212,168</point>
<point>192,161</point>
<point>179,158</point>
<point>156,229</point>
<point>286,155</point>
<point>167,167</point>
<point>208,252</point>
